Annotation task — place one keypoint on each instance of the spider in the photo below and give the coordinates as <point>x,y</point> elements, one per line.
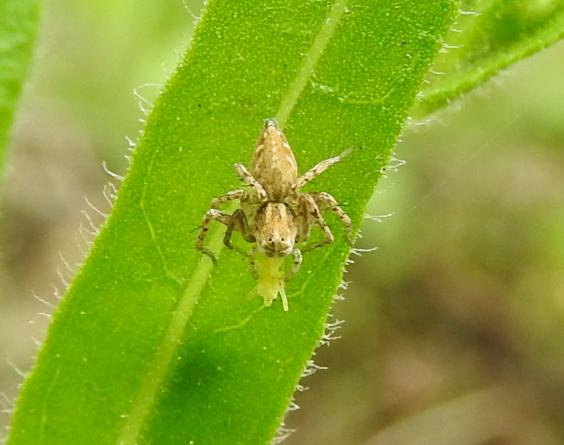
<point>274,214</point>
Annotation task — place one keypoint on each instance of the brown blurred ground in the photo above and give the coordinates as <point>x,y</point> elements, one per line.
<point>454,328</point>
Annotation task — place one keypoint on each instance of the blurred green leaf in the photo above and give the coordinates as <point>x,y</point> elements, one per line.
<point>18,30</point>
<point>152,344</point>
<point>490,36</point>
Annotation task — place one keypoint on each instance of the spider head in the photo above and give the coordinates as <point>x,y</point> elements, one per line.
<point>275,229</point>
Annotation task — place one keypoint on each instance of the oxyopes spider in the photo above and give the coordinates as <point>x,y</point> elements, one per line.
<point>274,214</point>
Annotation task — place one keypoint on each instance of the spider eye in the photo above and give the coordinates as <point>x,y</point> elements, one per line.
<point>270,239</point>
<point>283,239</point>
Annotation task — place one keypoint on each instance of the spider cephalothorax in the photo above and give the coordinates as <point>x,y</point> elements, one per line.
<point>274,214</point>
<point>275,229</point>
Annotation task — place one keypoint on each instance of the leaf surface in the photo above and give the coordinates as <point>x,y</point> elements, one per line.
<point>152,343</point>
<point>18,30</point>
<point>490,35</point>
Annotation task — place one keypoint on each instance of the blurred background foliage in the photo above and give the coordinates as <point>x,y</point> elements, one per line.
<point>454,326</point>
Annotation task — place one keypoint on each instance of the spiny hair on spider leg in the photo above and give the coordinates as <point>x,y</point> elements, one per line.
<point>194,228</point>
<point>343,204</point>
<point>222,186</point>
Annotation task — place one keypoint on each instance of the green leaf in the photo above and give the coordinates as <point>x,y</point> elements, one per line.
<point>18,30</point>
<point>490,36</point>
<point>152,343</point>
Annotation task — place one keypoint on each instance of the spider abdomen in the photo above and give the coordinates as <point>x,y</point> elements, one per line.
<point>274,165</point>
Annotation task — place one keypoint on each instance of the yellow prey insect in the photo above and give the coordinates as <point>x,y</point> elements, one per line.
<point>274,213</point>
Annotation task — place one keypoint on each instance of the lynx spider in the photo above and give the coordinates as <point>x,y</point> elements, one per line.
<point>274,213</point>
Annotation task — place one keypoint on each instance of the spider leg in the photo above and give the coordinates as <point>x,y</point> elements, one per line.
<point>252,263</point>
<point>303,220</point>
<point>238,221</point>
<point>250,180</point>
<point>315,214</point>
<point>316,170</point>
<point>327,202</point>
<point>211,215</point>
<point>229,196</point>
<point>297,254</point>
